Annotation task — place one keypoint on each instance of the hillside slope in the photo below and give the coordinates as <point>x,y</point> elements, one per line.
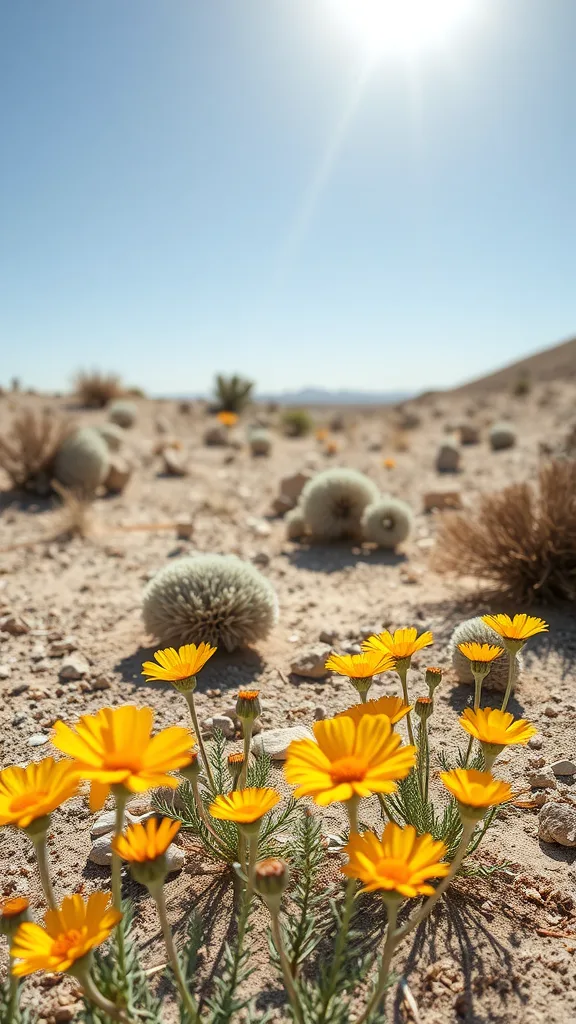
<point>558,362</point>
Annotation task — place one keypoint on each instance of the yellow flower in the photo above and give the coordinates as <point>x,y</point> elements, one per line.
<point>403,643</point>
<point>14,907</point>
<point>476,789</point>
<point>400,862</point>
<point>348,760</point>
<point>114,747</point>
<point>518,629</point>
<point>496,727</point>
<point>389,463</point>
<point>33,792</point>
<point>174,666</point>
<point>393,707</point>
<point>227,419</point>
<point>143,842</point>
<point>360,666</point>
<point>68,934</point>
<point>244,806</point>
<point>483,653</point>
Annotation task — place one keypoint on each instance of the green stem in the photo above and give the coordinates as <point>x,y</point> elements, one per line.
<point>425,762</point>
<point>93,993</point>
<point>41,850</point>
<point>121,797</point>
<point>285,966</point>
<point>384,807</point>
<point>478,680</point>
<point>413,922</point>
<point>389,947</point>
<point>511,678</point>
<point>252,858</point>
<point>351,806</point>
<point>247,726</point>
<point>338,950</point>
<point>204,817</point>
<point>242,851</point>
<point>189,696</point>
<point>157,892</point>
<point>13,997</point>
<point>403,673</point>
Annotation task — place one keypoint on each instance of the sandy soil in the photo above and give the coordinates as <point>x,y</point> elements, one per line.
<point>486,955</point>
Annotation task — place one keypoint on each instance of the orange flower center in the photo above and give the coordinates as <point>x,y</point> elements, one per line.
<point>248,694</point>
<point>27,800</point>
<point>115,760</point>
<point>64,943</point>
<point>348,769</point>
<point>393,869</point>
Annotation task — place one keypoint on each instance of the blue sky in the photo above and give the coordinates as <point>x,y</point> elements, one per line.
<point>192,186</point>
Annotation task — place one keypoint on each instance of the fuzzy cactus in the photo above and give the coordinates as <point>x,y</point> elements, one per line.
<point>295,524</point>
<point>476,630</point>
<point>333,502</point>
<point>123,414</point>
<point>260,442</point>
<point>218,599</point>
<point>82,461</point>
<point>387,522</point>
<point>112,434</point>
<point>501,436</point>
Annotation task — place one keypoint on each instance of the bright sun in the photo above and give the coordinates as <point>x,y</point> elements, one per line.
<point>401,26</point>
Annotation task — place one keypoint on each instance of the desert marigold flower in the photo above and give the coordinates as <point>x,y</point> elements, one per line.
<point>348,760</point>
<point>517,630</point>
<point>68,934</point>
<point>360,666</point>
<point>227,419</point>
<point>401,644</point>
<point>245,806</point>
<point>399,863</point>
<point>145,841</point>
<point>492,726</point>
<point>424,707</point>
<point>475,791</point>
<point>115,747</point>
<point>181,666</point>
<point>191,771</point>
<point>248,705</point>
<point>33,792</point>
<point>433,679</point>
<point>235,766</point>
<point>389,463</point>
<point>393,707</point>
<point>13,913</point>
<point>483,654</point>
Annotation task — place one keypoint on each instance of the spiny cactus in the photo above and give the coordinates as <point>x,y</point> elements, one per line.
<point>295,524</point>
<point>332,503</point>
<point>112,434</point>
<point>260,442</point>
<point>123,414</point>
<point>502,435</point>
<point>476,630</point>
<point>81,462</point>
<point>214,598</point>
<point>234,393</point>
<point>387,522</point>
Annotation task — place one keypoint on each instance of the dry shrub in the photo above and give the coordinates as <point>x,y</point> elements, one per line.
<point>76,517</point>
<point>28,450</point>
<point>522,539</point>
<point>95,390</point>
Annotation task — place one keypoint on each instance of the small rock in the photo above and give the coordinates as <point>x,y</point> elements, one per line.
<point>216,436</point>
<point>311,662</point>
<point>261,558</point>
<point>329,636</point>
<point>101,851</point>
<point>101,683</point>
<point>291,487</point>
<point>37,740</point>
<point>175,858</point>
<point>259,526</point>
<point>557,824</point>
<point>542,779</point>
<point>448,459</point>
<point>320,713</point>
<point>173,463</point>
<point>15,625</point>
<point>535,743</point>
<point>224,724</point>
<point>119,474</point>
<point>551,712</point>
<point>439,500</point>
<point>58,648</point>
<point>563,767</point>
<point>469,434</point>
<point>19,718</point>
<point>538,797</point>
<point>275,742</point>
<point>184,528</point>
<point>104,824</point>
<point>64,1013</point>
<point>4,671</point>
<point>74,666</point>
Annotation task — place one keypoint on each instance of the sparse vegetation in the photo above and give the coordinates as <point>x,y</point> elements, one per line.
<point>96,390</point>
<point>387,522</point>
<point>123,414</point>
<point>296,422</point>
<point>82,461</point>
<point>28,449</point>
<point>233,393</point>
<point>522,539</point>
<point>333,502</point>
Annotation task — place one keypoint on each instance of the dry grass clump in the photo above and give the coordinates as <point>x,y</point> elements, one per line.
<point>522,538</point>
<point>28,450</point>
<point>95,390</point>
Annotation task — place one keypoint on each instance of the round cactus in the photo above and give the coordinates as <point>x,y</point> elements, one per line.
<point>123,414</point>
<point>332,503</point>
<point>476,630</point>
<point>295,524</point>
<point>260,442</point>
<point>387,522</point>
<point>81,462</point>
<point>112,434</point>
<point>502,435</point>
<point>218,599</point>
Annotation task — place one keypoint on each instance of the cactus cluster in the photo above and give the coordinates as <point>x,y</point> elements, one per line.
<point>123,414</point>
<point>233,394</point>
<point>218,599</point>
<point>112,434</point>
<point>501,436</point>
<point>387,522</point>
<point>82,462</point>
<point>476,630</point>
<point>260,441</point>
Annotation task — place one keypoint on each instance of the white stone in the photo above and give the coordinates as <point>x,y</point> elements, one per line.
<point>224,724</point>
<point>311,662</point>
<point>557,824</point>
<point>275,742</point>
<point>74,666</point>
<point>37,740</point>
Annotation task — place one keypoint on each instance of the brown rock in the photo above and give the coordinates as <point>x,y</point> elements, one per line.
<point>119,474</point>
<point>440,500</point>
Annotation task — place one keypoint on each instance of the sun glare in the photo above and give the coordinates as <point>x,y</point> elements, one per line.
<point>401,26</point>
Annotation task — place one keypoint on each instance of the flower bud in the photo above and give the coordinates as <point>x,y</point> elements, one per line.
<point>271,878</point>
<point>13,913</point>
<point>433,679</point>
<point>247,705</point>
<point>150,873</point>
<point>191,771</point>
<point>184,685</point>
<point>235,766</point>
<point>424,708</point>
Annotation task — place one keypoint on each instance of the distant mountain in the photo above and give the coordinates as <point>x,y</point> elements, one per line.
<point>554,363</point>
<point>320,396</point>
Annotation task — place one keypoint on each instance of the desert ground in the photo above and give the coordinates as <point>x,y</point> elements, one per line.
<point>503,946</point>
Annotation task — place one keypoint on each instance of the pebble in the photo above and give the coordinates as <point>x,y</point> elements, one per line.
<point>310,663</point>
<point>535,743</point>
<point>329,636</point>
<point>184,528</point>
<point>320,713</point>
<point>73,667</point>
<point>563,767</point>
<point>119,474</point>
<point>224,724</point>
<point>101,853</point>
<point>440,500</point>
<point>101,683</point>
<point>448,459</point>
<point>542,778</point>
<point>18,719</point>
<point>14,625</point>
<point>557,824</point>
<point>58,648</point>
<point>551,712</point>
<point>4,671</point>
<point>261,558</point>
<point>64,1013</point>
<point>173,463</point>
<point>38,739</point>
<point>275,742</point>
